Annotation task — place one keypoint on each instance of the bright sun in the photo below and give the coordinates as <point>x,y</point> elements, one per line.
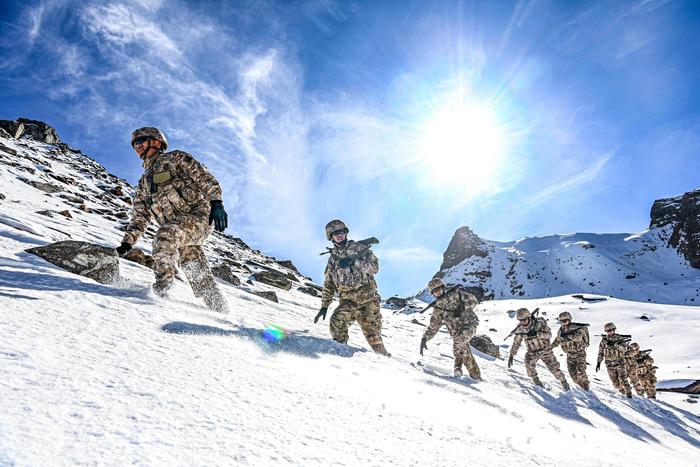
<point>463,144</point>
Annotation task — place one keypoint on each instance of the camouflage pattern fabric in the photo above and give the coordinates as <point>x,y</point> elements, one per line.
<point>548,358</point>
<point>455,309</point>
<point>537,335</point>
<point>632,373</point>
<point>367,315</point>
<point>573,341</point>
<point>196,268</point>
<point>618,375</point>
<point>613,351</point>
<point>173,185</point>
<point>647,374</point>
<point>345,281</point>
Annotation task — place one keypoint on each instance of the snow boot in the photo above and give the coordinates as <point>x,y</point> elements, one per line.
<point>458,373</point>
<point>537,381</point>
<point>565,385</point>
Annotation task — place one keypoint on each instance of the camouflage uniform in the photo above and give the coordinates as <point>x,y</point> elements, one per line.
<point>175,190</point>
<point>612,349</point>
<point>455,309</point>
<point>574,340</point>
<point>647,374</point>
<point>536,335</point>
<point>357,290</point>
<point>632,373</point>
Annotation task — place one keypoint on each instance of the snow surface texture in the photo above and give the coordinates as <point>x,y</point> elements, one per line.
<point>97,374</point>
<point>640,267</point>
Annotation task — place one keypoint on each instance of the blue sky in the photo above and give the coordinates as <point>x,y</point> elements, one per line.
<point>407,119</point>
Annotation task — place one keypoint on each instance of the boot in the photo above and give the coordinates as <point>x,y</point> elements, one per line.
<point>537,381</point>
<point>380,349</point>
<point>160,288</point>
<point>215,300</point>
<point>565,385</point>
<point>585,386</point>
<point>629,395</point>
<point>458,373</point>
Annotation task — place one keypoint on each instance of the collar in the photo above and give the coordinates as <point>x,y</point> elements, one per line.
<point>149,161</point>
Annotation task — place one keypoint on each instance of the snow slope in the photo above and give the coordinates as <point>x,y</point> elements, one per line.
<point>97,374</point>
<point>639,267</point>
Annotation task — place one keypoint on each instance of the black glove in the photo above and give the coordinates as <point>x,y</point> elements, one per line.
<point>597,367</point>
<point>346,262</point>
<point>510,361</point>
<point>124,248</point>
<point>321,314</point>
<point>218,216</point>
<point>423,345</point>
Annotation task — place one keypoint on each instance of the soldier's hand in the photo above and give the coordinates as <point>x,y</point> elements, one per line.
<point>423,345</point>
<point>597,367</point>
<point>124,248</point>
<point>321,314</point>
<point>510,361</point>
<point>346,262</point>
<point>218,216</point>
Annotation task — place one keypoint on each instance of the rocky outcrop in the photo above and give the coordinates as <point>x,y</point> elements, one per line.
<point>464,244</point>
<point>34,129</point>
<point>484,344</point>
<point>683,214</point>
<point>273,278</point>
<point>308,291</point>
<point>224,272</point>
<point>395,303</point>
<point>268,295</point>
<point>86,259</point>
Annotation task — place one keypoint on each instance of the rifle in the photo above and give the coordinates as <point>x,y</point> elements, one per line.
<point>645,351</point>
<point>368,242</point>
<point>533,316</point>
<point>623,336</point>
<point>574,329</point>
<point>432,304</point>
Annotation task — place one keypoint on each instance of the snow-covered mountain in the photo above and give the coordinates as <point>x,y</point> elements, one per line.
<point>658,265</point>
<point>107,374</point>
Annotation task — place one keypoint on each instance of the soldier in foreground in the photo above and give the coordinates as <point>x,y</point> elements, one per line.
<point>612,349</point>
<point>536,334</point>
<point>350,272</point>
<point>573,338</point>
<point>455,309</point>
<point>185,200</point>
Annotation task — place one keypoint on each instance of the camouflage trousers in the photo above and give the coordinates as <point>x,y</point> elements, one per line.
<point>634,380</point>
<point>463,353</point>
<point>617,371</point>
<point>576,364</point>
<point>180,242</point>
<point>548,358</point>
<point>648,383</point>
<point>369,317</point>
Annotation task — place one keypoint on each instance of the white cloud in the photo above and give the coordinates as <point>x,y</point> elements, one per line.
<point>411,254</point>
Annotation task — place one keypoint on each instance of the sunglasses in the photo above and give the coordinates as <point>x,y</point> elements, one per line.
<point>435,290</point>
<point>336,233</point>
<point>564,321</point>
<point>522,320</point>
<point>140,140</point>
<point>610,330</point>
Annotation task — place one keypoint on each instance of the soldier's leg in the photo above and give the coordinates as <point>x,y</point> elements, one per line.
<point>369,318</point>
<point>457,362</point>
<point>552,364</point>
<point>576,364</point>
<point>341,319</point>
<point>614,378</point>
<point>194,263</point>
<point>650,386</point>
<point>531,367</point>
<point>624,380</point>
<point>464,353</point>
<point>634,380</point>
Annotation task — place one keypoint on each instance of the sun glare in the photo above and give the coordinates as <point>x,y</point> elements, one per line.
<point>463,145</point>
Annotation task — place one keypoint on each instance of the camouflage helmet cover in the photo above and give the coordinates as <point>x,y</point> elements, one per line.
<point>523,313</point>
<point>435,283</point>
<point>151,132</point>
<point>335,224</point>
<point>565,315</point>
<point>634,346</point>
<point>609,327</point>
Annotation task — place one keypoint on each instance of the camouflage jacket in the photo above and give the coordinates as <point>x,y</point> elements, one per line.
<point>645,365</point>
<point>631,360</point>
<point>173,184</point>
<point>572,340</point>
<point>536,336</point>
<point>455,309</point>
<point>612,349</point>
<point>355,282</point>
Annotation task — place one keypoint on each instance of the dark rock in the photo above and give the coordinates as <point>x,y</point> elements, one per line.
<point>683,214</point>
<point>4,133</point>
<point>138,256</point>
<point>45,187</point>
<point>477,291</point>
<point>117,191</point>
<point>10,127</point>
<point>289,265</point>
<point>395,303</point>
<point>273,278</point>
<point>45,212</point>
<point>493,330</point>
<point>223,272</point>
<point>644,318</point>
<point>66,213</point>
<point>7,150</point>
<point>632,275</point>
<point>84,208</point>
<point>2,196</point>
<point>484,344</point>
<point>86,259</point>
<point>315,286</point>
<point>36,130</point>
<point>309,291</point>
<point>464,244</point>
<point>269,295</point>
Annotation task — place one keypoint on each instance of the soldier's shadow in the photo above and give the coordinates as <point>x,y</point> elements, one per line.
<point>306,346</point>
<point>631,429</point>
<point>560,406</point>
<point>667,420</point>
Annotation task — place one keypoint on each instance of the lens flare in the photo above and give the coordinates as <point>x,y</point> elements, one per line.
<point>274,333</point>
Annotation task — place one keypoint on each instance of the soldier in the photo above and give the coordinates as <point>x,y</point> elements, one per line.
<point>573,338</point>
<point>631,363</point>
<point>350,272</point>
<point>612,348</point>
<point>455,309</point>
<point>647,373</point>
<point>185,200</point>
<point>536,334</point>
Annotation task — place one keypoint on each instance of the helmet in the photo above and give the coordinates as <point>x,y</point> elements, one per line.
<point>609,327</point>
<point>634,346</point>
<point>335,224</point>
<point>435,283</point>
<point>151,132</point>
<point>565,315</point>
<point>523,313</point>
